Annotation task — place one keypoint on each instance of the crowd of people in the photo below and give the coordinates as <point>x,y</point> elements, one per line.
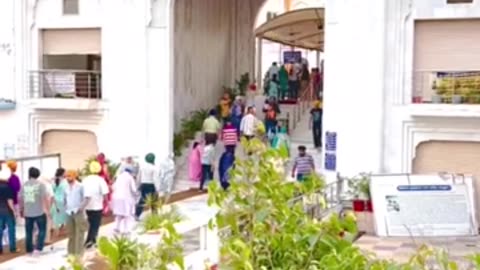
<point>285,81</point>
<point>68,204</point>
<point>234,121</point>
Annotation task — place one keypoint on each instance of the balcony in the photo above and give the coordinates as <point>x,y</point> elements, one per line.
<point>446,93</point>
<point>56,89</point>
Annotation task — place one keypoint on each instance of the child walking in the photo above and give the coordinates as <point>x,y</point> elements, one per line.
<point>208,158</point>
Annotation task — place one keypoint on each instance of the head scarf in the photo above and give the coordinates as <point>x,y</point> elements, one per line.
<point>12,165</point>
<point>150,158</point>
<point>71,174</point>
<point>101,158</point>
<point>128,168</point>
<point>94,167</point>
<point>5,173</point>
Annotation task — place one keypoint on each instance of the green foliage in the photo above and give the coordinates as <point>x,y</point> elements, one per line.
<point>189,127</point>
<point>120,252</point>
<point>267,229</point>
<point>160,215</point>
<point>360,186</point>
<point>112,167</point>
<point>261,227</point>
<point>74,263</point>
<point>241,85</point>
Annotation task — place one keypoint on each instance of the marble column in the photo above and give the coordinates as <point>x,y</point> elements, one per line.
<point>354,82</point>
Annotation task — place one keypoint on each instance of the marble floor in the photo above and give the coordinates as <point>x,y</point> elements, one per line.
<point>194,211</point>
<point>402,248</point>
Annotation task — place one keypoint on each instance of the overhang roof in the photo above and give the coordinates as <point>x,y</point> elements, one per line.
<point>302,28</point>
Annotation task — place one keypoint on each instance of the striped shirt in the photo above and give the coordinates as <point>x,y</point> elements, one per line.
<point>248,125</point>
<point>229,136</point>
<point>304,165</point>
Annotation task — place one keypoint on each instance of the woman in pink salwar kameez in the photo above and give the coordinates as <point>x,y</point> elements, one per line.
<point>195,163</point>
<point>123,201</point>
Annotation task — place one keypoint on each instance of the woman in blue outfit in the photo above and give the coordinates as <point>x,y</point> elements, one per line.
<point>227,161</point>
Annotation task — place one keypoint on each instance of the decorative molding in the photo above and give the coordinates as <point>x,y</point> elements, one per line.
<point>40,122</point>
<point>416,132</point>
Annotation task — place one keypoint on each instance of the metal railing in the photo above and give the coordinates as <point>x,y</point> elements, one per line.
<point>47,164</point>
<point>331,194</point>
<point>446,87</point>
<point>58,83</point>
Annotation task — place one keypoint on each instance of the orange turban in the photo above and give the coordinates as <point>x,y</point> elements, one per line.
<point>72,174</point>
<point>12,165</point>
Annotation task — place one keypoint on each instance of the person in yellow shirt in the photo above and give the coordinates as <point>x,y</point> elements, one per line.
<point>211,128</point>
<point>225,107</point>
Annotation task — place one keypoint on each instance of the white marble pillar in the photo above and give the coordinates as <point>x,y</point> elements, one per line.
<point>124,78</point>
<point>354,82</point>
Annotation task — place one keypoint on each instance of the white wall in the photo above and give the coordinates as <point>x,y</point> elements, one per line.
<point>403,131</point>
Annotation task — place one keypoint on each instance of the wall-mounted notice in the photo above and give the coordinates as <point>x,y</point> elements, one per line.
<point>423,205</point>
<point>330,158</point>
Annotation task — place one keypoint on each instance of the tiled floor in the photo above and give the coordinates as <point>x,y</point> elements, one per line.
<point>401,249</point>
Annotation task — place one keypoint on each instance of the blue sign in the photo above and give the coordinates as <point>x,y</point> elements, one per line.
<point>330,161</point>
<point>424,188</point>
<point>331,141</point>
<point>292,56</point>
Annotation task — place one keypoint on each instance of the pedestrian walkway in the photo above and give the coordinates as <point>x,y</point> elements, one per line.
<point>195,213</point>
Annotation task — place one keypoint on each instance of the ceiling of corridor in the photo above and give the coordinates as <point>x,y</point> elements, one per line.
<point>303,28</point>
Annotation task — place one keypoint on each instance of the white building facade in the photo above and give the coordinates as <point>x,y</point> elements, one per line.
<point>148,63</point>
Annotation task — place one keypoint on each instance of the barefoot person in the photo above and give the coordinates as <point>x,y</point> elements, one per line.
<point>58,205</point>
<point>7,210</point>
<point>76,222</point>
<point>35,207</point>
<point>123,201</point>
<point>95,189</point>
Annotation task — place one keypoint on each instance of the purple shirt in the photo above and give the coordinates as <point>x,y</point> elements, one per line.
<point>14,184</point>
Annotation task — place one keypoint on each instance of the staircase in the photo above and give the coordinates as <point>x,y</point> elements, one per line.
<point>298,117</point>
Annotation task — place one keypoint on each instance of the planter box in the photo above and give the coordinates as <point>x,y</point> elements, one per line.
<point>362,206</point>
<point>365,222</point>
<point>417,100</point>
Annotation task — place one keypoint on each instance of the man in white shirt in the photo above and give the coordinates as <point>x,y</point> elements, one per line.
<point>248,124</point>
<point>149,179</point>
<point>95,190</point>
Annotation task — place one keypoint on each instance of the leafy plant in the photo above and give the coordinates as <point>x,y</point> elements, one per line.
<point>160,215</point>
<point>189,127</point>
<point>112,167</point>
<point>120,252</point>
<point>360,186</point>
<point>241,85</point>
<point>267,230</point>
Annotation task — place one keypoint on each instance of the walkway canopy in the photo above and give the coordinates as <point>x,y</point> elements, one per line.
<point>303,28</point>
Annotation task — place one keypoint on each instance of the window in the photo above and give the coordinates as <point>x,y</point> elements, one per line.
<point>459,1</point>
<point>70,7</point>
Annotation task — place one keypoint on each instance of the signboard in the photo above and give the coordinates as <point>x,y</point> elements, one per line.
<point>423,205</point>
<point>292,56</point>
<point>330,159</point>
